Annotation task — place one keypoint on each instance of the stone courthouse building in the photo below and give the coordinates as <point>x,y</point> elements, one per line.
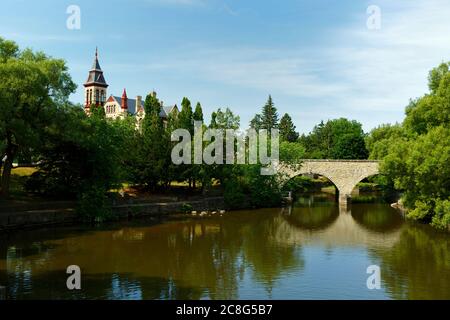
<point>95,90</point>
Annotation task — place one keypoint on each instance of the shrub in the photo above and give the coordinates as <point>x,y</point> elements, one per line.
<point>94,205</point>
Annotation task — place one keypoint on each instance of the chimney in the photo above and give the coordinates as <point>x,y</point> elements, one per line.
<point>124,100</point>
<point>138,103</point>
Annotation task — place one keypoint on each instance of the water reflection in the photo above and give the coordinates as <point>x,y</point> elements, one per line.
<point>375,217</point>
<point>418,265</point>
<point>311,250</point>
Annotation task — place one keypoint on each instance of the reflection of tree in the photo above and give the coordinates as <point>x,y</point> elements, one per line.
<point>418,266</point>
<point>271,258</point>
<point>376,217</point>
<point>176,260</point>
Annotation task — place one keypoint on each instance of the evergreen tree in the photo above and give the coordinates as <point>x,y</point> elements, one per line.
<point>269,115</point>
<point>198,113</point>
<point>185,121</point>
<point>185,118</point>
<point>154,149</point>
<point>256,122</point>
<point>287,129</point>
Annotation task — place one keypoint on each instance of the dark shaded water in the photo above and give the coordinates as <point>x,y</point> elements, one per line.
<point>311,251</point>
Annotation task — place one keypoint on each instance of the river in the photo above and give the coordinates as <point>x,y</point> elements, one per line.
<point>313,250</point>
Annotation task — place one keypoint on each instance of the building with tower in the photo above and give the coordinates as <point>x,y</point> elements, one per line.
<point>95,90</point>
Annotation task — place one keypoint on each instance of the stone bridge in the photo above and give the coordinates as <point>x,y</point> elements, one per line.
<point>344,174</point>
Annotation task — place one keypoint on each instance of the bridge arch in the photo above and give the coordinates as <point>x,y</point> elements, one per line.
<point>344,174</point>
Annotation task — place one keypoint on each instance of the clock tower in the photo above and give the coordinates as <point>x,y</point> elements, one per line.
<point>95,86</point>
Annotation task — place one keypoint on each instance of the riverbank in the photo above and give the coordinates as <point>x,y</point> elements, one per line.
<point>22,216</point>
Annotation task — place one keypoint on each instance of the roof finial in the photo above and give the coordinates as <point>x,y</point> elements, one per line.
<point>96,52</point>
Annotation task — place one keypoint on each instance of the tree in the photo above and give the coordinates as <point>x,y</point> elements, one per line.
<point>198,170</point>
<point>435,76</point>
<point>287,129</point>
<point>224,119</point>
<point>380,140</point>
<point>321,142</point>
<point>81,157</point>
<point>269,116</point>
<point>350,146</point>
<point>198,113</point>
<point>420,167</point>
<point>154,153</point>
<point>185,118</point>
<point>33,86</point>
<point>256,122</point>
<point>417,160</point>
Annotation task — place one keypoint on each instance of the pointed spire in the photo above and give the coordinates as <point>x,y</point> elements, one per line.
<point>96,65</point>
<point>96,74</point>
<point>124,103</point>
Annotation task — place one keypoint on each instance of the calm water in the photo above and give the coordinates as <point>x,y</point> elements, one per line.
<point>310,251</point>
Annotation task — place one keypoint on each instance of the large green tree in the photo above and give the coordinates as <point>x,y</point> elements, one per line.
<point>33,85</point>
<point>334,139</point>
<point>419,154</point>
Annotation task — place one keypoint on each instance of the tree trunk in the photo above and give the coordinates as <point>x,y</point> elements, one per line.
<point>6,175</point>
<point>11,151</point>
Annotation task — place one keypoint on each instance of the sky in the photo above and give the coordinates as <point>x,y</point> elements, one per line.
<point>318,59</point>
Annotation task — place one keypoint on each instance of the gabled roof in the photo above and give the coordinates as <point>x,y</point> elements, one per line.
<point>131,104</point>
<point>165,111</point>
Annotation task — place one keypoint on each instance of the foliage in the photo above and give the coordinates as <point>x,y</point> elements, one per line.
<point>291,152</point>
<point>350,146</point>
<point>234,196</point>
<point>417,159</point>
<point>33,87</point>
<point>224,119</point>
<point>382,138</point>
<point>334,139</point>
<point>268,118</point>
<point>287,129</point>
<point>93,205</point>
<point>421,168</point>
<point>79,151</point>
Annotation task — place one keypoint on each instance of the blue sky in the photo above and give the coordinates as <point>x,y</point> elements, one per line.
<point>317,59</point>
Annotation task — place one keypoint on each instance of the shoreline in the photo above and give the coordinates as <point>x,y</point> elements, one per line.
<point>20,220</point>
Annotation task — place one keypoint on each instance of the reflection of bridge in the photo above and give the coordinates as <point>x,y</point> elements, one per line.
<point>344,174</point>
<point>343,230</point>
